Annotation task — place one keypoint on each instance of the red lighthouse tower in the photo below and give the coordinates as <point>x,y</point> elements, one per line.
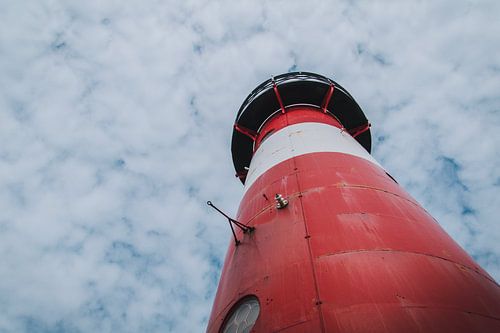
<point>337,244</point>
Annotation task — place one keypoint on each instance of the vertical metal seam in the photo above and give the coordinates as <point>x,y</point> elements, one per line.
<point>311,259</point>
<point>316,287</point>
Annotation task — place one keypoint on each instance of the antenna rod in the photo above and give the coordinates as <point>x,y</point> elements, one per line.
<point>232,221</point>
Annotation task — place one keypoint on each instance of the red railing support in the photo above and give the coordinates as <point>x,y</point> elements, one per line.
<point>359,130</point>
<point>277,93</point>
<point>246,131</point>
<point>327,98</point>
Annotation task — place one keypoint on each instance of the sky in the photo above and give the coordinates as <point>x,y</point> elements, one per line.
<point>115,128</point>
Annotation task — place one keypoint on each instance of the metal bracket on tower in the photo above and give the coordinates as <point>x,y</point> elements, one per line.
<point>280,201</point>
<point>232,221</point>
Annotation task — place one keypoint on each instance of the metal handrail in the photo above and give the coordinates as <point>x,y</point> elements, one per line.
<point>286,78</point>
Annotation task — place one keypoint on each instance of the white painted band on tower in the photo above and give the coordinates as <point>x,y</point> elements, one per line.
<point>300,139</point>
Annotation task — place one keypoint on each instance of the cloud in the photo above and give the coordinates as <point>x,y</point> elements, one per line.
<point>115,123</point>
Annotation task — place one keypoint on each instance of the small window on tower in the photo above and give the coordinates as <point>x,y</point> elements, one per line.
<point>242,316</point>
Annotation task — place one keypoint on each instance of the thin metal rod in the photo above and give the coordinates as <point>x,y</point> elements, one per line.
<point>217,209</point>
<point>236,240</point>
<point>232,221</point>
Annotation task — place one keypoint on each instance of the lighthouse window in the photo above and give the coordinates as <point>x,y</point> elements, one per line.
<point>242,316</point>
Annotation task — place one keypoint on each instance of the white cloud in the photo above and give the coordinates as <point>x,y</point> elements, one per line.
<point>115,123</point>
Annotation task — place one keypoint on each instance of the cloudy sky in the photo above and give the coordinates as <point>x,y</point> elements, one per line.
<point>115,127</point>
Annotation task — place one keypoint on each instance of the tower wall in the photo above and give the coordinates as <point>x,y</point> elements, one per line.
<point>352,251</point>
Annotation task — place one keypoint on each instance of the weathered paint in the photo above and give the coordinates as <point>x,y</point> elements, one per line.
<point>352,251</point>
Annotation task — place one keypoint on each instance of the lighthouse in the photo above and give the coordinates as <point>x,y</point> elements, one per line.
<point>325,240</point>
